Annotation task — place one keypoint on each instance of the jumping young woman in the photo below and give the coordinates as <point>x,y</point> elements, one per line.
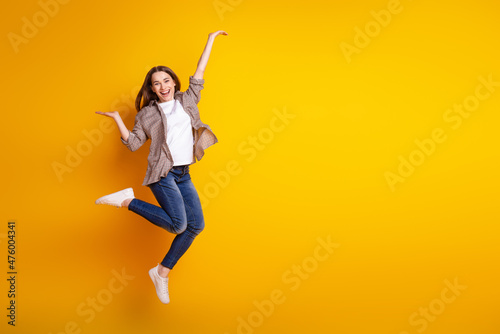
<point>171,119</point>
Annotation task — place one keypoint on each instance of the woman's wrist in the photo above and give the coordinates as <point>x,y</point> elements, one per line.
<point>116,116</point>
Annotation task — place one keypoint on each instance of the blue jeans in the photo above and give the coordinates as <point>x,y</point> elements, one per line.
<point>179,212</point>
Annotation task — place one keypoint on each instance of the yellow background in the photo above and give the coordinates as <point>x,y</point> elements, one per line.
<point>322,176</point>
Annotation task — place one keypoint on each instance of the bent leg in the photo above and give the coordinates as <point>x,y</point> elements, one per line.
<point>195,222</point>
<point>171,216</point>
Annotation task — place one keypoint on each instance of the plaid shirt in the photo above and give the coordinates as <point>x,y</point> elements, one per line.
<point>151,123</point>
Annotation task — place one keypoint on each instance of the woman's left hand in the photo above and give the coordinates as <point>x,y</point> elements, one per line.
<point>217,33</point>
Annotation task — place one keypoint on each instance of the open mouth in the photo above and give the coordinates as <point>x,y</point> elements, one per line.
<point>165,93</point>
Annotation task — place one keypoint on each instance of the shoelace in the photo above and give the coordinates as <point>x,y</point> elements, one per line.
<point>164,282</point>
<point>164,286</point>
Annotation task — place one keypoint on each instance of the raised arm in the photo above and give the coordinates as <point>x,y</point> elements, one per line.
<point>132,139</point>
<point>119,122</point>
<point>202,63</point>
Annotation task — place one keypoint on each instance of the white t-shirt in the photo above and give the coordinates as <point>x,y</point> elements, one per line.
<point>180,139</point>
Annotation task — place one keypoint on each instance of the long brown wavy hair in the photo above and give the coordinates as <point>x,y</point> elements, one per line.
<point>146,93</point>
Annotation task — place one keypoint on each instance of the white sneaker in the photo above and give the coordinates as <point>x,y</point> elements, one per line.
<point>161,285</point>
<point>116,199</point>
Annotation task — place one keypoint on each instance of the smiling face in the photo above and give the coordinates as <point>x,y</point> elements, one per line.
<point>163,85</point>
